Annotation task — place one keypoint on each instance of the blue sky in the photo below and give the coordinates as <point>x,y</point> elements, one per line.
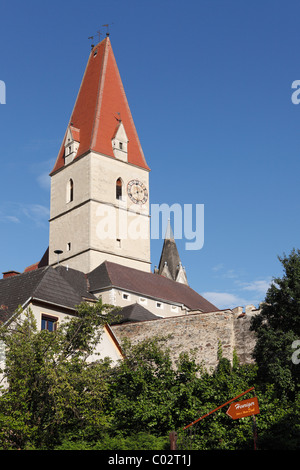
<point>209,86</point>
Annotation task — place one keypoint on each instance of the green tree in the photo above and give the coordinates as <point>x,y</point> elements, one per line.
<point>53,390</point>
<point>141,388</point>
<point>277,326</point>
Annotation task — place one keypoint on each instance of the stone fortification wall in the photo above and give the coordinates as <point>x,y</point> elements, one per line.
<point>200,332</point>
<point>244,338</point>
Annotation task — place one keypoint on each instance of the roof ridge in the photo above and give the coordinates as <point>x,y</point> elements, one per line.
<point>98,105</point>
<point>46,268</point>
<point>107,270</point>
<point>169,232</point>
<point>87,282</point>
<point>63,283</point>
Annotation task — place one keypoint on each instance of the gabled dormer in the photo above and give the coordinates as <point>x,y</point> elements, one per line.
<point>71,144</point>
<point>181,275</point>
<point>120,142</point>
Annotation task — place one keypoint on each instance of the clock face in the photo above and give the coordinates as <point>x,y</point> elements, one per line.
<point>137,192</point>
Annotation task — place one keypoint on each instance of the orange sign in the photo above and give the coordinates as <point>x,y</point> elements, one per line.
<point>241,409</point>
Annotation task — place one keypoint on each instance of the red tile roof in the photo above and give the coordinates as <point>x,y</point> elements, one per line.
<point>75,133</point>
<point>101,101</point>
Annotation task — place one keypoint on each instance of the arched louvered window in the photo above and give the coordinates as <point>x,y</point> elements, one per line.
<point>119,188</point>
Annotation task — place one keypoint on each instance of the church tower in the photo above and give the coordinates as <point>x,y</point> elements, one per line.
<point>100,181</point>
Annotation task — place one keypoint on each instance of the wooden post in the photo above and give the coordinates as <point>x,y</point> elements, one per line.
<point>254,432</point>
<point>173,438</point>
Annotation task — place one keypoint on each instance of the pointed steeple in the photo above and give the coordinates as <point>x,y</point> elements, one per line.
<point>99,156</point>
<point>101,103</point>
<point>170,265</point>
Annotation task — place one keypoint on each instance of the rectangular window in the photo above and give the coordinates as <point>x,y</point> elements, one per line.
<point>49,323</point>
<point>159,305</point>
<point>126,296</point>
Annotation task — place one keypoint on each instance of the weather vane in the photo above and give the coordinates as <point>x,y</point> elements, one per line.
<point>99,34</point>
<point>107,27</point>
<point>92,38</point>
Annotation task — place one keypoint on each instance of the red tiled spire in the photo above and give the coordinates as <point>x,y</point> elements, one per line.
<point>100,102</point>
